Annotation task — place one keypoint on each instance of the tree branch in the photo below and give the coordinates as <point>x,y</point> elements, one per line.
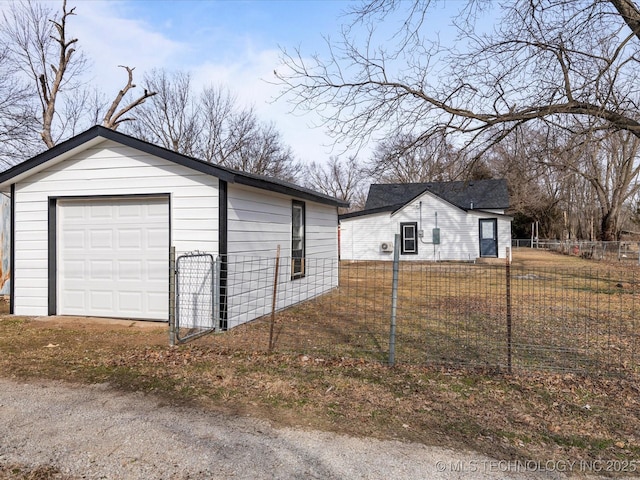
<point>113,119</point>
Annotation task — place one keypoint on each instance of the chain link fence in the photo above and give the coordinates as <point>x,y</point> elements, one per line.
<point>194,296</point>
<point>622,251</point>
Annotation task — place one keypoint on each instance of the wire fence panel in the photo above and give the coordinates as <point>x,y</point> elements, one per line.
<point>196,295</point>
<point>451,314</point>
<point>249,287</point>
<point>349,320</point>
<point>578,319</point>
<point>464,315</point>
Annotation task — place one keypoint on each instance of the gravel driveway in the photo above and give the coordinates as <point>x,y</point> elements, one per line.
<point>96,432</point>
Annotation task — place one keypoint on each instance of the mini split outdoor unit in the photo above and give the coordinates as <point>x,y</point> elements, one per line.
<point>386,247</point>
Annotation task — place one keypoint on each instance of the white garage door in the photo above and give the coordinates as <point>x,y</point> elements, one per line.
<point>113,257</point>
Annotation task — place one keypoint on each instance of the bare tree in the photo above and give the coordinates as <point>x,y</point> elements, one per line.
<point>171,118</point>
<point>211,126</point>
<point>224,124</point>
<point>116,114</point>
<point>562,64</point>
<point>234,137</point>
<point>576,183</point>
<point>609,162</point>
<point>17,118</point>
<point>263,152</point>
<point>401,158</point>
<point>544,59</point>
<point>535,189</point>
<point>38,47</point>
<point>340,179</point>
<point>41,58</point>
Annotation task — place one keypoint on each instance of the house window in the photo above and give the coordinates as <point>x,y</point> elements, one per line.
<point>297,239</point>
<point>409,238</point>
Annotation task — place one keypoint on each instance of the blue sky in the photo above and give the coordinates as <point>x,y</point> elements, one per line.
<point>234,43</point>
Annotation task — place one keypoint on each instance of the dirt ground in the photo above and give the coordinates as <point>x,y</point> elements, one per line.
<point>70,431</point>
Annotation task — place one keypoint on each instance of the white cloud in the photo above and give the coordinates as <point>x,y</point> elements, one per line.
<point>109,39</point>
<point>109,35</point>
<point>252,79</point>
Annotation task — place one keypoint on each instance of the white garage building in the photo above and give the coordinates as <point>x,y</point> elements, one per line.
<point>93,220</point>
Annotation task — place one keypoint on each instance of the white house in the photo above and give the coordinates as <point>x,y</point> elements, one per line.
<point>93,220</point>
<point>459,221</point>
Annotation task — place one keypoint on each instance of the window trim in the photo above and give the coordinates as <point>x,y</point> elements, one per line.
<point>298,268</point>
<point>404,238</point>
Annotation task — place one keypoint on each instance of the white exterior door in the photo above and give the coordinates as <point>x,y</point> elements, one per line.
<point>113,257</point>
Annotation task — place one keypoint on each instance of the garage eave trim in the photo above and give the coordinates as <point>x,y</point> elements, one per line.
<point>98,134</point>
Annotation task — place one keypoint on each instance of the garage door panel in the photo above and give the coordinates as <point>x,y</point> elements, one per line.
<point>100,211</point>
<point>101,239</point>
<point>131,211</point>
<point>74,269</point>
<point>130,238</point>
<point>75,300</point>
<point>113,258</point>
<point>158,238</point>
<point>156,302</point>
<point>130,270</point>
<point>155,267</point>
<point>101,300</point>
<point>74,211</point>
<point>156,211</point>
<point>73,239</point>
<point>100,270</point>
<point>131,301</point>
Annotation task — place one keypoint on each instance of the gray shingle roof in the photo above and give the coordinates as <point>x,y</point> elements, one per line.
<point>474,194</point>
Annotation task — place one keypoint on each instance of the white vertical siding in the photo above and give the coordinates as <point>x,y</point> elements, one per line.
<point>361,237</point>
<point>259,221</point>
<point>108,168</point>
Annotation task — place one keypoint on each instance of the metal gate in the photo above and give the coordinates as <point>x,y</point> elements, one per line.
<point>194,304</point>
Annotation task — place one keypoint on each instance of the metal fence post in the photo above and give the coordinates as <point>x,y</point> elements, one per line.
<point>394,300</point>
<point>172,296</point>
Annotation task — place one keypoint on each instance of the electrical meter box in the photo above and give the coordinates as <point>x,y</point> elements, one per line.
<point>436,236</point>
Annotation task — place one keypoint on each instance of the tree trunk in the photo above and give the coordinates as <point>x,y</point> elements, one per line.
<point>608,228</point>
